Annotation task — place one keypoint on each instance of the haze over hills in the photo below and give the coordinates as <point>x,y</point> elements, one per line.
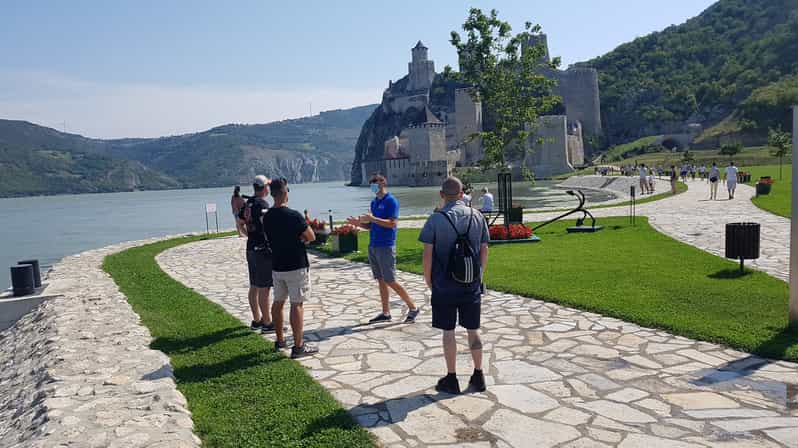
<point>701,71</point>
<point>39,160</point>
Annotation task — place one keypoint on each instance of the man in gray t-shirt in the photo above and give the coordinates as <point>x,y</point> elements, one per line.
<point>452,302</point>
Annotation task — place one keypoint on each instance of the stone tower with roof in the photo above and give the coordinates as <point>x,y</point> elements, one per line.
<point>420,69</point>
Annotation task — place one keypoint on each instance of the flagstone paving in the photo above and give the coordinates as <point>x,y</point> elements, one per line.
<point>556,376</point>
<point>692,218</point>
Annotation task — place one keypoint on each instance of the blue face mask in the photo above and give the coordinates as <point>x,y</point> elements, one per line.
<point>375,188</point>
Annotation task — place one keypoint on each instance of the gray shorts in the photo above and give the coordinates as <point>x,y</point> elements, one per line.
<point>383,263</point>
<point>293,285</point>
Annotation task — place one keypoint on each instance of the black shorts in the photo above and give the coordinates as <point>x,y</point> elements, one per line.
<point>260,269</point>
<point>446,315</point>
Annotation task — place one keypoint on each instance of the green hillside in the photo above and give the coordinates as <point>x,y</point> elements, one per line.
<point>699,71</point>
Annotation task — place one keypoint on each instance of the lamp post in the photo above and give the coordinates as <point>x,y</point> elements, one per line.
<point>793,316</point>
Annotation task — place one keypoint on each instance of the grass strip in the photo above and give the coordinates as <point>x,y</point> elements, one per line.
<point>639,275</point>
<point>779,201</point>
<point>240,391</point>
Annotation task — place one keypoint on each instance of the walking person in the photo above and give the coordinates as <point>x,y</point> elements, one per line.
<point>714,180</point>
<point>259,257</point>
<point>674,179</point>
<point>643,179</point>
<point>455,257</point>
<point>731,179</point>
<point>381,223</point>
<point>237,202</point>
<point>288,233</point>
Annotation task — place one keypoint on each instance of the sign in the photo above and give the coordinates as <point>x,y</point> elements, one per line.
<point>210,207</point>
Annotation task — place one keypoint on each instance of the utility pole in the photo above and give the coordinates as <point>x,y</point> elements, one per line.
<point>310,109</point>
<point>793,316</point>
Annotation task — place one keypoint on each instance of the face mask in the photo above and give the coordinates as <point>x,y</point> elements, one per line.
<point>375,188</point>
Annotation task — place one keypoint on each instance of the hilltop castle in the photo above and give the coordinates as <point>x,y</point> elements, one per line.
<point>424,126</point>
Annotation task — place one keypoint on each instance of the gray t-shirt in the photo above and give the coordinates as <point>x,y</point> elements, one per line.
<point>439,232</point>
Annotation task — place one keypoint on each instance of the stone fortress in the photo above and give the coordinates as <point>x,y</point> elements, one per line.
<point>424,127</point>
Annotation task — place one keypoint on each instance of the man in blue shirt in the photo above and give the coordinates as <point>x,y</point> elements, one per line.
<point>381,222</point>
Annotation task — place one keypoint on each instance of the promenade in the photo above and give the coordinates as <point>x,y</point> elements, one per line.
<point>557,376</point>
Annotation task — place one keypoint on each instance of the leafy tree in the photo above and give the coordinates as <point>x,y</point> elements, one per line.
<point>688,157</point>
<point>782,142</point>
<point>731,149</point>
<point>507,75</point>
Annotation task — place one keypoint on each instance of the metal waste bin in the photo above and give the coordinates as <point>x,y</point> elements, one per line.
<point>22,281</point>
<point>742,241</point>
<point>37,273</point>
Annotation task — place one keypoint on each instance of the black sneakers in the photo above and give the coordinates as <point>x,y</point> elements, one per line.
<point>305,350</point>
<point>268,328</point>
<point>381,318</point>
<point>477,381</point>
<point>255,325</point>
<point>448,385</point>
<point>411,315</point>
<point>278,345</point>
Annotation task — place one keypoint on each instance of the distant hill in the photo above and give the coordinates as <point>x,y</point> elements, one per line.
<point>40,160</point>
<point>700,71</point>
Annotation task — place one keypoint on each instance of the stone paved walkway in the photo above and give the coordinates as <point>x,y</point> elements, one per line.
<point>557,376</point>
<point>692,218</point>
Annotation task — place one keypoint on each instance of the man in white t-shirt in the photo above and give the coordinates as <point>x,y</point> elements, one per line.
<point>643,179</point>
<point>731,179</point>
<point>714,180</point>
<point>487,200</point>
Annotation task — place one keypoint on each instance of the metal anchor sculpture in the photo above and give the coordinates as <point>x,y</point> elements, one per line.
<point>580,227</point>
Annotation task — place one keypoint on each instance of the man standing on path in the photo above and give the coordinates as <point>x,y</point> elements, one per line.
<point>643,179</point>
<point>381,222</point>
<point>288,232</point>
<point>259,259</point>
<point>454,231</point>
<point>731,179</point>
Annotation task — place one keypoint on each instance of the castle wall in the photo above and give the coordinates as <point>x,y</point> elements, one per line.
<point>580,92</point>
<point>468,121</point>
<point>400,104</point>
<point>549,147</point>
<point>430,173</point>
<point>426,142</point>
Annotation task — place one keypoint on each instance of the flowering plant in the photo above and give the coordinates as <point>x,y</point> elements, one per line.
<point>517,232</point>
<point>316,225</point>
<point>766,180</point>
<point>346,229</point>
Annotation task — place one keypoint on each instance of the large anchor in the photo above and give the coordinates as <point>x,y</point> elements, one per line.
<point>580,227</point>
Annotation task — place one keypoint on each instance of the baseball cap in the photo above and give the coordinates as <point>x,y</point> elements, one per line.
<point>260,181</point>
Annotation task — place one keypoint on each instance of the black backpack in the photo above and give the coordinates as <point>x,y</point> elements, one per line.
<point>254,223</point>
<point>464,265</point>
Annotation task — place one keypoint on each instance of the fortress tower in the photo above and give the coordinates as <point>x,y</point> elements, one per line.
<point>468,121</point>
<point>421,70</point>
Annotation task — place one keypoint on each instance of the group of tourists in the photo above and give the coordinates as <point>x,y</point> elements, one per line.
<point>713,177</point>
<point>455,256</point>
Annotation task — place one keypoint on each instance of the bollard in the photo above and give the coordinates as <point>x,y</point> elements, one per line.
<point>22,281</point>
<point>37,273</point>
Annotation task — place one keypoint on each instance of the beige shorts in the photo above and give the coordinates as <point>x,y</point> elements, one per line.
<point>293,285</point>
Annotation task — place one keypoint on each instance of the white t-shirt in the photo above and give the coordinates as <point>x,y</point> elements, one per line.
<point>467,199</point>
<point>643,173</point>
<point>487,202</point>
<point>731,173</point>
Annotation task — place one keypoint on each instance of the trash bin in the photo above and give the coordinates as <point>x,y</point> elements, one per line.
<point>742,241</point>
<point>22,282</point>
<point>37,274</point>
<point>762,189</point>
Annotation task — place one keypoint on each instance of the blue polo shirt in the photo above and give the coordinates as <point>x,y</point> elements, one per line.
<point>385,208</point>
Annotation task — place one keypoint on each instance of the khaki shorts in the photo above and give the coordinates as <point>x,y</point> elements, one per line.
<point>293,285</point>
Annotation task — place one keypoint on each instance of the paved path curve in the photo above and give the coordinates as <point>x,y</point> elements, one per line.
<point>557,376</point>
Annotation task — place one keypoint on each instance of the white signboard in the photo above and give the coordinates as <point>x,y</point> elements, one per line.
<point>210,207</point>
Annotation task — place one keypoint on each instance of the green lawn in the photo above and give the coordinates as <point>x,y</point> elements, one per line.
<point>639,275</point>
<point>240,391</point>
<point>778,201</point>
<point>751,156</point>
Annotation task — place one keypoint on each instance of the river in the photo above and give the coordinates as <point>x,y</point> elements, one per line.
<point>51,227</point>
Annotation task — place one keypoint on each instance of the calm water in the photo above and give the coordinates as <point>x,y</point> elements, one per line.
<point>49,228</point>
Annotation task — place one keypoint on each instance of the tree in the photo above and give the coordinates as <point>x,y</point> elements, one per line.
<point>731,149</point>
<point>507,76</point>
<point>688,157</point>
<point>782,142</point>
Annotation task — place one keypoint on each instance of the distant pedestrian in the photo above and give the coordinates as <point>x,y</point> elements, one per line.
<point>381,223</point>
<point>259,256</point>
<point>467,196</point>
<point>714,180</point>
<point>674,179</point>
<point>487,200</point>
<point>702,172</point>
<point>288,233</point>
<point>731,179</point>
<point>643,179</point>
<point>651,182</point>
<point>455,257</point>
<point>237,202</point>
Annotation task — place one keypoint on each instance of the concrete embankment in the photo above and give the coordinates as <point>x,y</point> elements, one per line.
<point>78,370</point>
<point>619,186</point>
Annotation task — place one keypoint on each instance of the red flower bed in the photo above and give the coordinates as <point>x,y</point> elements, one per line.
<point>346,229</point>
<point>316,225</point>
<point>517,232</point>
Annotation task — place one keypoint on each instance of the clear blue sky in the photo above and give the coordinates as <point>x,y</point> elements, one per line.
<point>149,68</point>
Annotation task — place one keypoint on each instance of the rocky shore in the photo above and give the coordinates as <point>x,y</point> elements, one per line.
<point>78,370</point>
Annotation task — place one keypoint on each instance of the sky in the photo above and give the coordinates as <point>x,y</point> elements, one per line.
<point>146,68</point>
